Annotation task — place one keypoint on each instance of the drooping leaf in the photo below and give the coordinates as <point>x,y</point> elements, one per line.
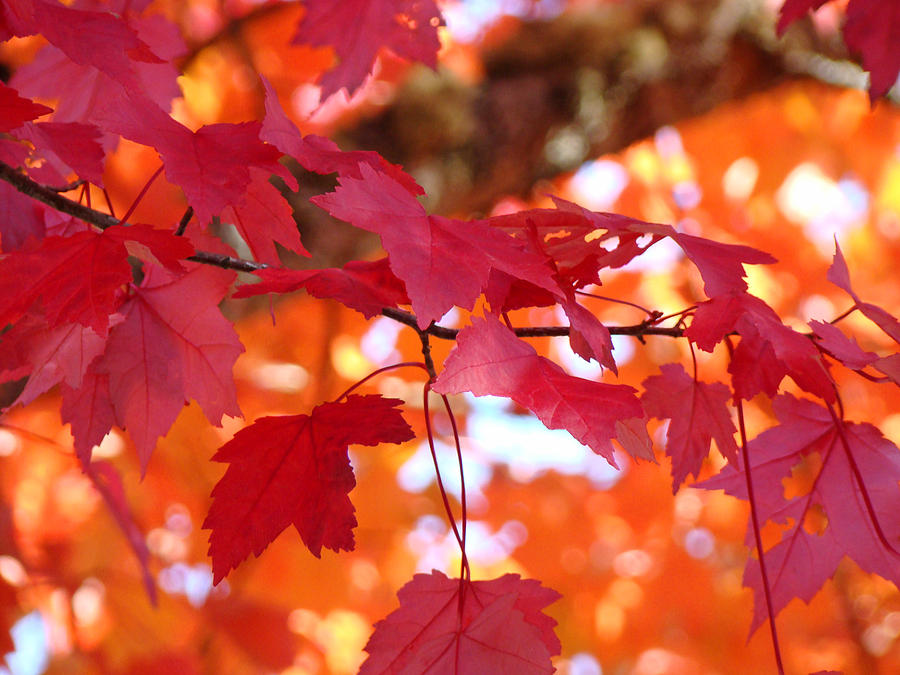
<point>172,345</point>
<point>78,88</point>
<point>445,626</point>
<point>768,350</point>
<point>295,469</point>
<point>858,468</point>
<point>442,262</point>
<point>490,360</point>
<point>698,413</point>
<point>358,29</point>
<point>367,287</point>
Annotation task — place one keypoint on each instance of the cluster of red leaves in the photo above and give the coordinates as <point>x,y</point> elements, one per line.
<point>126,321</point>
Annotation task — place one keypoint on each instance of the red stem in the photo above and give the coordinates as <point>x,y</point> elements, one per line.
<point>137,200</point>
<point>437,470</point>
<point>368,377</point>
<point>464,570</point>
<point>754,519</point>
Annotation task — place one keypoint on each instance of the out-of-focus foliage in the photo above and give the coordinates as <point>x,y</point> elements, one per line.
<point>651,582</point>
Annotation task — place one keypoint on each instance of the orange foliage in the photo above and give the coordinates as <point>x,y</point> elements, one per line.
<point>651,582</point>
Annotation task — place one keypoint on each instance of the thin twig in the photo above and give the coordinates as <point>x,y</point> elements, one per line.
<point>74,185</point>
<point>185,219</point>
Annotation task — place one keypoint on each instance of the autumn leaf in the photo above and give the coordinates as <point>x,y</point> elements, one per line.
<point>854,493</point>
<point>447,626</point>
<point>295,469</point>
<point>839,275</point>
<point>490,360</point>
<point>442,262</point>
<point>358,29</point>
<point>768,350</point>
<point>367,287</point>
<point>698,413</point>
<point>79,278</point>
<point>16,110</point>
<point>319,154</point>
<point>172,345</point>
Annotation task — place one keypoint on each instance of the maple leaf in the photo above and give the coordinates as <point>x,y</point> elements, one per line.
<point>212,165</point>
<point>447,626</point>
<point>173,344</point>
<point>839,275</point>
<point>367,287</point>
<point>70,145</point>
<point>768,349</point>
<point>859,467</point>
<point>89,410</point>
<point>442,262</point>
<point>47,355</point>
<point>77,88</point>
<point>871,30</point>
<point>583,242</point>
<point>358,29</point>
<point>698,412</point>
<point>15,110</point>
<point>79,278</point>
<point>295,469</point>
<point>264,217</point>
<point>322,155</point>
<point>489,359</point>
<point>114,47</point>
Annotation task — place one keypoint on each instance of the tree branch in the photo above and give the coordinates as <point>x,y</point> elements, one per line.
<point>46,195</point>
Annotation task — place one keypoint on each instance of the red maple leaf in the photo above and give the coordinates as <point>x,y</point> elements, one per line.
<point>89,411</point>
<point>839,275</point>
<point>79,278</point>
<point>698,412</point>
<point>442,262</point>
<point>447,626</point>
<point>263,217</point>
<point>489,359</point>
<point>871,30</point>
<point>47,355</point>
<point>71,146</point>
<point>358,29</point>
<point>295,469</point>
<point>115,47</point>
<point>319,154</point>
<point>77,88</point>
<point>852,508</point>
<point>15,110</point>
<point>768,349</point>
<point>367,287</point>
<point>172,345</point>
<point>212,165</point>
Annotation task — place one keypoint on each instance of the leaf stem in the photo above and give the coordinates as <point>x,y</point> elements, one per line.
<point>754,519</point>
<point>437,471</point>
<point>393,366</point>
<point>137,200</point>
